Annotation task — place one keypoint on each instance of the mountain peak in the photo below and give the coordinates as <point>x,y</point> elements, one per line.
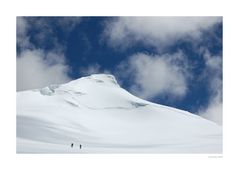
<point>106,79</point>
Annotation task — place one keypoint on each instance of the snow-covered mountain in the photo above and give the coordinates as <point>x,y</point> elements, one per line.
<point>98,114</point>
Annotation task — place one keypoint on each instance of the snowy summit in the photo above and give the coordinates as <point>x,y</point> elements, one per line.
<point>95,115</point>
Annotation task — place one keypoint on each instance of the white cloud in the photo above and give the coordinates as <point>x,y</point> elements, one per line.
<point>156,31</point>
<point>154,75</point>
<point>36,70</point>
<point>213,63</point>
<point>213,111</point>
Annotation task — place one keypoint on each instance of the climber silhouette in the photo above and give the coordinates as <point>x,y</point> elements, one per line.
<point>72,145</point>
<point>80,146</point>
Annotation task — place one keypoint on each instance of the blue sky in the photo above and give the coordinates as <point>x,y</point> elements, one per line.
<point>175,61</point>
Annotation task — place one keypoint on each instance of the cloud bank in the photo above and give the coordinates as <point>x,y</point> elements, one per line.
<point>156,31</point>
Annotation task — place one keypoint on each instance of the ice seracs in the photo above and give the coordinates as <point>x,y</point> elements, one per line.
<point>97,113</point>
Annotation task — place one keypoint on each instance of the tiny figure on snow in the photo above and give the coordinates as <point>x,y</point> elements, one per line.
<point>72,145</point>
<point>80,146</point>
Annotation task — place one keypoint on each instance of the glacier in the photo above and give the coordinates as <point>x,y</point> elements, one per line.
<point>96,113</point>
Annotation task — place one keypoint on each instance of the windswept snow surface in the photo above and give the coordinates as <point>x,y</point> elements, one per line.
<point>97,113</point>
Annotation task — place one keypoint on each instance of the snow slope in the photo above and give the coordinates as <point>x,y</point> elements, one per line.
<point>97,113</point>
